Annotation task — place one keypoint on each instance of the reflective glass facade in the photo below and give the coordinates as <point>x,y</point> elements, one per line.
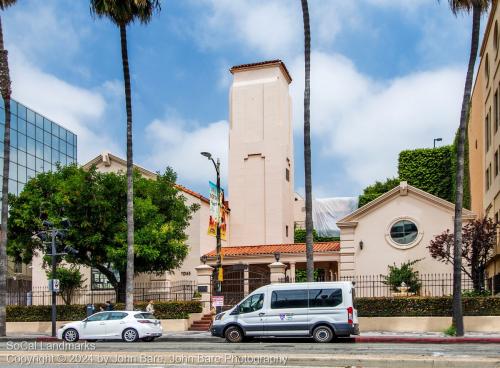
<point>37,145</point>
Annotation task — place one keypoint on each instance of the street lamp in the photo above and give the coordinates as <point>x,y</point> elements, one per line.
<point>437,140</point>
<point>49,237</point>
<point>218,286</point>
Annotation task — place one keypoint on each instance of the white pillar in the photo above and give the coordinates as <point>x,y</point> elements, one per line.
<point>204,278</point>
<point>277,271</point>
<point>292,271</point>
<point>246,281</point>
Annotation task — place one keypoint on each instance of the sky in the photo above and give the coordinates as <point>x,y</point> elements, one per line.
<point>386,75</point>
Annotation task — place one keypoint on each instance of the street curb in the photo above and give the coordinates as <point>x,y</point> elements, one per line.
<point>358,339</point>
<point>426,340</point>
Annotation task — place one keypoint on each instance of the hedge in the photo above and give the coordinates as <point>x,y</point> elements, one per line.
<point>429,169</point>
<point>37,313</point>
<point>425,307</point>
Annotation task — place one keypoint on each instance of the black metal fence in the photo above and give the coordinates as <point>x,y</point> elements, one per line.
<point>432,284</point>
<point>158,291</point>
<point>370,286</point>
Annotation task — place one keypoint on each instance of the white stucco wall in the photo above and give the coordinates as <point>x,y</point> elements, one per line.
<point>373,229</point>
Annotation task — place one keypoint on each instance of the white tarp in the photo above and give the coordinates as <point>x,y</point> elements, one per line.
<point>327,211</point>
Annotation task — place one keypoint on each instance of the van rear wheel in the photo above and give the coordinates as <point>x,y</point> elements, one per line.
<point>233,334</point>
<point>322,334</point>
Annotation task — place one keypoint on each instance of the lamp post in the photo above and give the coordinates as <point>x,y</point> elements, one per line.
<point>49,237</point>
<point>218,286</point>
<point>437,140</point>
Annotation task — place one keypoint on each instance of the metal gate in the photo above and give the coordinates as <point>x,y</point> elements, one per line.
<point>235,286</point>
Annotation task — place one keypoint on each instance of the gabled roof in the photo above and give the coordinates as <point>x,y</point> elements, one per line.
<point>270,249</point>
<point>403,189</point>
<point>263,64</point>
<point>107,157</point>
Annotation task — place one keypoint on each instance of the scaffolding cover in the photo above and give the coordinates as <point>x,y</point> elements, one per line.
<point>327,211</point>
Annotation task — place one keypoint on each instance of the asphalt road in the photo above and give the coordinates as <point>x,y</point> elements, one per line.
<point>261,353</point>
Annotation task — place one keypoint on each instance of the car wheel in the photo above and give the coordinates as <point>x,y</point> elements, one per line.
<point>148,338</point>
<point>322,334</point>
<point>130,335</point>
<point>233,334</point>
<point>70,335</point>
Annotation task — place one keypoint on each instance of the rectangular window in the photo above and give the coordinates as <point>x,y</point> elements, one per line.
<point>31,130</point>
<point>39,149</point>
<point>39,134</point>
<point>495,110</point>
<point>31,146</point>
<point>21,158</point>
<point>287,174</point>
<point>30,116</point>
<point>30,174</point>
<point>325,298</point>
<point>39,121</point>
<point>39,165</point>
<point>47,125</point>
<point>47,138</point>
<point>13,171</point>
<point>21,126</point>
<point>31,161</point>
<point>46,153</point>
<point>99,281</point>
<point>497,163</point>
<point>487,179</point>
<point>283,299</point>
<point>18,267</point>
<point>55,156</point>
<point>21,174</point>
<point>487,132</point>
<point>286,230</point>
<point>21,142</point>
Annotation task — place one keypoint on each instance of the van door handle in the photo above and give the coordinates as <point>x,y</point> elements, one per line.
<point>261,314</point>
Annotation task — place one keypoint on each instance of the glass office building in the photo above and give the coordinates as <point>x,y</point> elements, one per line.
<point>37,145</point>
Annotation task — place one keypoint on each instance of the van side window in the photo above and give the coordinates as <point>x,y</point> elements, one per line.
<point>251,304</point>
<point>325,297</point>
<point>289,299</point>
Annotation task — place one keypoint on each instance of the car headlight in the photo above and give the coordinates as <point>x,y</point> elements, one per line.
<point>219,316</point>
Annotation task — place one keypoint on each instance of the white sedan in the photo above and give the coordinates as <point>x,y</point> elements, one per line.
<point>112,325</point>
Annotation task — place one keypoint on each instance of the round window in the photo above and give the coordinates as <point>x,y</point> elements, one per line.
<point>404,232</point>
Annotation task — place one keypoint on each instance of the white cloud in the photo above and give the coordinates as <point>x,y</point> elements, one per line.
<point>77,109</point>
<point>177,142</point>
<point>365,124</point>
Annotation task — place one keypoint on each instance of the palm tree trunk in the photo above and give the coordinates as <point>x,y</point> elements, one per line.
<point>458,321</point>
<point>5,91</point>
<point>307,143</point>
<point>129,297</point>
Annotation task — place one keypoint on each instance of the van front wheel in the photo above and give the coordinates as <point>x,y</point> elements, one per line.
<point>233,334</point>
<point>322,334</point>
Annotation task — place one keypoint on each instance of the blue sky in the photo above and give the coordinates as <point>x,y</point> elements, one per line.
<point>387,75</point>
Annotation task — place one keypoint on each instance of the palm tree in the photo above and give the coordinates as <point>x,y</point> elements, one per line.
<point>307,143</point>
<point>478,7</point>
<point>5,90</point>
<point>122,13</point>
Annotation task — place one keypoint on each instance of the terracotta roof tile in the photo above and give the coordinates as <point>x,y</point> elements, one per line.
<point>246,250</point>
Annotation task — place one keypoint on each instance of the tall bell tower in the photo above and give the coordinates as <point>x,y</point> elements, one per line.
<point>261,163</point>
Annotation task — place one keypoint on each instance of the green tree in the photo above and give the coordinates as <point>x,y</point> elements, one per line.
<point>122,13</point>
<point>478,7</point>
<point>300,237</point>
<point>5,90</point>
<point>95,204</point>
<point>307,143</point>
<point>374,191</point>
<point>70,280</point>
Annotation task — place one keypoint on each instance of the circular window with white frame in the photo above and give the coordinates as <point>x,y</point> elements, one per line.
<point>404,233</point>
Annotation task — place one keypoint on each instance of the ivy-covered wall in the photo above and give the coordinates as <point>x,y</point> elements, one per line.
<point>429,169</point>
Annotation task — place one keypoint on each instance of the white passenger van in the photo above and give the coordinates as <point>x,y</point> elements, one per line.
<point>323,310</point>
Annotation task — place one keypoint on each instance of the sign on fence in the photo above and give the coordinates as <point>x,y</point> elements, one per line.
<point>218,301</point>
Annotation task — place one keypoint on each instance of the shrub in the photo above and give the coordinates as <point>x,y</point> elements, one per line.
<point>374,191</point>
<point>36,313</point>
<point>403,274</point>
<point>425,307</point>
<point>450,331</point>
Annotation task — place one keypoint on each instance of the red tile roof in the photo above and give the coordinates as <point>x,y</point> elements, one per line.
<point>263,64</point>
<point>193,193</point>
<point>272,248</point>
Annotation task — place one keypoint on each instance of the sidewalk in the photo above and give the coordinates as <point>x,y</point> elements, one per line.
<point>365,337</point>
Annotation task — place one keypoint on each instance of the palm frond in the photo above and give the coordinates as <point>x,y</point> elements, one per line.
<point>458,6</point>
<point>6,3</point>
<point>123,12</point>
